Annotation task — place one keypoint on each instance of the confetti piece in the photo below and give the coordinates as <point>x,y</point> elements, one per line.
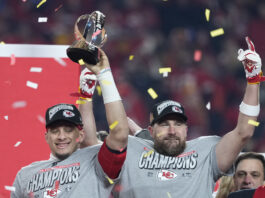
<point>110,180</point>
<point>253,122</point>
<point>99,90</point>
<point>42,19</point>
<point>169,195</point>
<point>24,0</point>
<point>113,125</point>
<point>207,14</point>
<point>106,82</point>
<point>32,84</point>
<point>17,144</point>
<point>10,188</point>
<point>35,69</point>
<point>165,74</point>
<point>131,57</point>
<point>87,99</point>
<point>152,93</point>
<point>19,104</point>
<point>60,61</point>
<point>149,153</point>
<point>159,134</point>
<point>56,9</point>
<point>80,102</point>
<point>41,119</point>
<point>2,42</point>
<point>208,106</point>
<point>197,55</point>
<point>42,2</point>
<point>164,69</point>
<point>6,117</point>
<point>217,32</point>
<point>81,62</point>
<point>13,59</point>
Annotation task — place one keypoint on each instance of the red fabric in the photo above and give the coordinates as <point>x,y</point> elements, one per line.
<point>259,192</point>
<point>111,162</point>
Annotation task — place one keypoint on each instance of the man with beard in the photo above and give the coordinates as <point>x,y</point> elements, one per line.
<point>172,167</point>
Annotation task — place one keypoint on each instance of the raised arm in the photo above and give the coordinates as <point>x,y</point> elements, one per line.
<point>88,81</point>
<point>113,151</point>
<point>232,143</point>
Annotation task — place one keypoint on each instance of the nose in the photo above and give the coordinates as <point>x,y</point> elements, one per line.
<point>171,130</point>
<point>61,135</point>
<point>247,179</point>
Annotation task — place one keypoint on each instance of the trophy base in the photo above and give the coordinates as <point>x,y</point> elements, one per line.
<point>88,56</point>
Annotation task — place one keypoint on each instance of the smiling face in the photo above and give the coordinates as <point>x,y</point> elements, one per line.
<point>249,174</point>
<point>169,135</point>
<point>63,138</point>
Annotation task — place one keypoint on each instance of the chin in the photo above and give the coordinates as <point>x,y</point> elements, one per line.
<point>62,156</point>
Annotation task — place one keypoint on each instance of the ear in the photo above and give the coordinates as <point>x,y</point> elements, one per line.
<point>150,129</point>
<point>81,136</point>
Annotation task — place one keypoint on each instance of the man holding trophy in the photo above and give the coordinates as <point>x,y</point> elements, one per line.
<point>73,172</point>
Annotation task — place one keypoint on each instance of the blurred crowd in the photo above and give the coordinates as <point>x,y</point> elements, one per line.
<point>155,34</point>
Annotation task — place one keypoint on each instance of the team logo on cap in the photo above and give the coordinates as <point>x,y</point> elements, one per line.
<point>165,175</point>
<point>176,109</point>
<point>68,114</point>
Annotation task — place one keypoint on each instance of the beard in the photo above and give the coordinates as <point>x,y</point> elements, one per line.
<point>169,146</point>
<point>62,156</point>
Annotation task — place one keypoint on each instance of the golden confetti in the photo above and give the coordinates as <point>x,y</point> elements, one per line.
<point>99,90</point>
<point>149,153</point>
<point>152,93</point>
<point>81,62</point>
<point>207,14</point>
<point>113,125</point>
<point>87,99</point>
<point>80,102</point>
<point>110,180</point>
<point>2,43</point>
<point>106,82</point>
<point>42,2</point>
<point>169,195</point>
<point>164,69</point>
<point>253,122</point>
<point>217,32</point>
<point>131,57</point>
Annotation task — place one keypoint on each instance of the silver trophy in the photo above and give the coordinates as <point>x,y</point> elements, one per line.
<point>94,36</point>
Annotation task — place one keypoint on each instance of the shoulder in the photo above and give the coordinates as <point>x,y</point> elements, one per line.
<point>136,140</point>
<point>205,139</point>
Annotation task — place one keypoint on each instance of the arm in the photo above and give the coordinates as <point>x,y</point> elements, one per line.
<point>133,127</point>
<point>232,143</point>
<point>87,85</point>
<point>113,152</point>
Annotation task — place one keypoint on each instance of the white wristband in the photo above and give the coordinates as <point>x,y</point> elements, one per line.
<point>249,110</point>
<point>108,87</point>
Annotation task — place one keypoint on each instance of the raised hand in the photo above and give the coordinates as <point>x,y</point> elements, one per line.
<point>88,81</point>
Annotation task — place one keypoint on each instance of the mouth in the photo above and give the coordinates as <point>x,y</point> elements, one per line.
<point>61,145</point>
<point>244,188</point>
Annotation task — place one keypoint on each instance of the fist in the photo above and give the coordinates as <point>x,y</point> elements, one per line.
<point>88,81</point>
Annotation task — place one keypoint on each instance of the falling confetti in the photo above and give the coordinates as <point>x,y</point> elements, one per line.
<point>56,9</point>
<point>208,106</point>
<point>149,153</point>
<point>106,82</point>
<point>42,19</point>
<point>131,57</point>
<point>113,125</point>
<point>6,117</point>
<point>110,180</point>
<point>152,93</point>
<point>10,188</point>
<point>87,99</point>
<point>217,32</point>
<point>164,70</point>
<point>81,62</point>
<point>41,119</point>
<point>253,122</point>
<point>42,2</point>
<point>169,195</point>
<point>207,14</point>
<point>17,144</point>
<point>35,69</point>
<point>24,0</point>
<point>19,104</point>
<point>80,102</point>
<point>99,90</point>
<point>32,84</point>
<point>60,61</point>
<point>13,59</point>
<point>2,42</point>
<point>197,55</point>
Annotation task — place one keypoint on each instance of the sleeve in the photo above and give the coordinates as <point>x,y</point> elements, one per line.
<point>17,193</point>
<point>111,161</point>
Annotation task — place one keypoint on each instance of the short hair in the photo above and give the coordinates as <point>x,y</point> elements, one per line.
<point>251,155</point>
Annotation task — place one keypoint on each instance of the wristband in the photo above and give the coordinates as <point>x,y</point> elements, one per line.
<point>108,87</point>
<point>249,110</point>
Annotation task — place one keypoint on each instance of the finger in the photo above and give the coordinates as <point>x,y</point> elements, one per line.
<point>250,44</point>
<point>241,55</point>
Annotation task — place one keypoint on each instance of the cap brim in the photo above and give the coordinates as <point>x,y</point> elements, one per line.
<point>184,117</point>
